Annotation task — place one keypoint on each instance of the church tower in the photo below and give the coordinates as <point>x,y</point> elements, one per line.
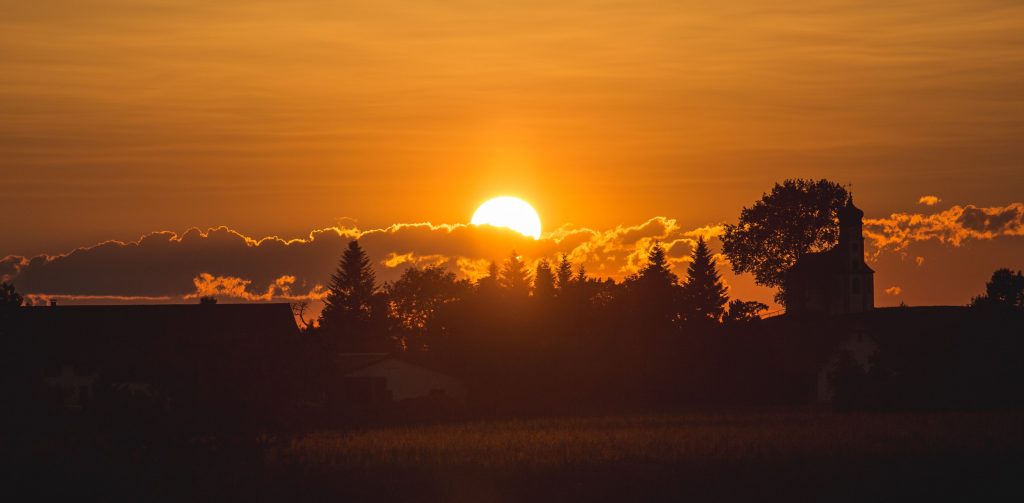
<point>857,278</point>
<point>851,230</point>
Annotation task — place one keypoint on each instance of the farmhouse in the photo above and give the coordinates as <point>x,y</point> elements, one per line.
<point>379,378</point>
<point>219,359</point>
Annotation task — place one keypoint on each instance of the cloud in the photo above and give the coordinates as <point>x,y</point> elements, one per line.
<point>208,285</point>
<point>166,266</point>
<point>953,226</point>
<point>34,299</point>
<point>10,265</point>
<point>893,290</point>
<point>928,200</point>
<point>230,265</point>
<point>394,260</point>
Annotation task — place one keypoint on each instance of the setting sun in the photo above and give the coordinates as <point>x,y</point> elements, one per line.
<point>510,212</point>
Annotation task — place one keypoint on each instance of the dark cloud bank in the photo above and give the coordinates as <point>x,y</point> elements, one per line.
<point>170,267</point>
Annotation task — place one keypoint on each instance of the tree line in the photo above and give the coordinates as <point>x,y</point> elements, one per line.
<point>796,217</point>
<point>423,305</point>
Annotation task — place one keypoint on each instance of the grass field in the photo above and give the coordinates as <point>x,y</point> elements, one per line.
<point>775,455</point>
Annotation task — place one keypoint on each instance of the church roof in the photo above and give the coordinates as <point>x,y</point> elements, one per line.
<point>825,262</point>
<point>818,261</point>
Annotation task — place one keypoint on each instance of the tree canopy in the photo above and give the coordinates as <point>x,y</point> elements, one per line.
<point>417,297</point>
<point>9,296</point>
<point>1005,289</point>
<point>798,216</point>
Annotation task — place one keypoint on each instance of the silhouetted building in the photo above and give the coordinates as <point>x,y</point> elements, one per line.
<point>380,378</point>
<point>209,360</point>
<point>836,281</point>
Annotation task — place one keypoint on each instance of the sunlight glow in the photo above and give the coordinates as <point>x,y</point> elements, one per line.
<point>510,212</point>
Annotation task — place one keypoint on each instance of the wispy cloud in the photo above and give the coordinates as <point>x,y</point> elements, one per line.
<point>208,285</point>
<point>953,226</point>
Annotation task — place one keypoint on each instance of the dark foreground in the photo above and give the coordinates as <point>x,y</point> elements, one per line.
<point>762,455</point>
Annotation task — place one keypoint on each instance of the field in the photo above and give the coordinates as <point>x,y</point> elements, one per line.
<point>766,455</point>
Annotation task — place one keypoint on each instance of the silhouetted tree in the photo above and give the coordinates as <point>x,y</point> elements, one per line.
<point>657,271</point>
<point>563,273</point>
<point>797,217</point>
<point>10,301</point>
<point>299,308</point>
<point>703,293</point>
<point>9,296</point>
<point>1004,290</point>
<point>654,291</point>
<point>543,281</point>
<point>515,277</point>
<point>352,308</point>
<point>490,281</point>
<point>418,295</point>
<point>744,311</point>
<point>581,274</point>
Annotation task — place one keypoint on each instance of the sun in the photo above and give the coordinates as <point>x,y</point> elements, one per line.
<point>510,212</point>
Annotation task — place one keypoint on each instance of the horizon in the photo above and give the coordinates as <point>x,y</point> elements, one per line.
<point>127,120</point>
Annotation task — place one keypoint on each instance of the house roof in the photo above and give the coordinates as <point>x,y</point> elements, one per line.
<point>150,319</point>
<point>115,334</point>
<point>352,362</point>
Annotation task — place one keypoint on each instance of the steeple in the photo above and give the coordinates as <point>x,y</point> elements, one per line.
<point>850,213</point>
<point>851,235</point>
<point>851,227</point>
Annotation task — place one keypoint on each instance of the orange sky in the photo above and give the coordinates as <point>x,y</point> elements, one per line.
<point>123,117</point>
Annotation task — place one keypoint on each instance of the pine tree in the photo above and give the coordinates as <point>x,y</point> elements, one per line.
<point>515,277</point>
<point>351,300</point>
<point>654,292</point>
<point>581,275</point>
<point>543,281</point>
<point>563,273</point>
<point>657,272</point>
<point>704,294</point>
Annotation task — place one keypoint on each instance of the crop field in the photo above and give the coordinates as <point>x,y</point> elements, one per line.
<point>766,455</point>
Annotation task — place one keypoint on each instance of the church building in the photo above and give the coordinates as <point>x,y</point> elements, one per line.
<point>837,281</point>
